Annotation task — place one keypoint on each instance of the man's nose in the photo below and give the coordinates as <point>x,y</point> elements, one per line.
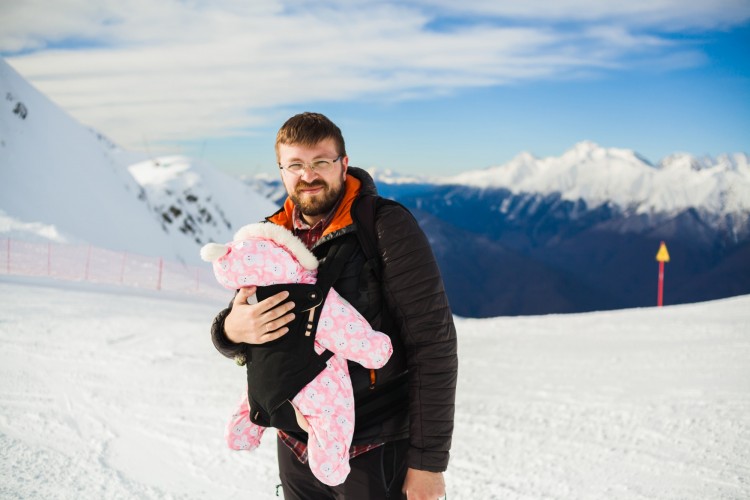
<point>308,174</point>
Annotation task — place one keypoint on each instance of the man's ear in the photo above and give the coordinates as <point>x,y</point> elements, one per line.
<point>345,164</point>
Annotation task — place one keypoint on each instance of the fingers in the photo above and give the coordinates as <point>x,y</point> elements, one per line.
<point>268,337</point>
<point>277,327</point>
<point>272,307</point>
<point>243,294</point>
<point>268,305</point>
<point>258,323</point>
<point>276,316</point>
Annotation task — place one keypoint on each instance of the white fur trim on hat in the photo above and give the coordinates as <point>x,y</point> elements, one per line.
<point>283,237</point>
<point>213,251</point>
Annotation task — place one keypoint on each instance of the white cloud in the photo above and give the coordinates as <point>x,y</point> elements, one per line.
<point>170,70</point>
<point>663,14</point>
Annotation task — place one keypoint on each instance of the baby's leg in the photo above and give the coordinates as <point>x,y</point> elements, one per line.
<point>301,420</point>
<point>327,405</point>
<point>241,433</point>
<point>328,443</point>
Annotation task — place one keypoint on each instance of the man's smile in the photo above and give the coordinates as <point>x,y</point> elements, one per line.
<point>311,189</point>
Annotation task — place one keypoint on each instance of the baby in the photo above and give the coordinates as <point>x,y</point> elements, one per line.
<point>266,254</point>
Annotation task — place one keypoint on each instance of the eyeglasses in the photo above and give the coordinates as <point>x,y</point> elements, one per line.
<point>319,166</point>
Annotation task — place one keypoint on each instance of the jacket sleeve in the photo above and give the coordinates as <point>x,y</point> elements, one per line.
<point>219,337</point>
<point>415,293</point>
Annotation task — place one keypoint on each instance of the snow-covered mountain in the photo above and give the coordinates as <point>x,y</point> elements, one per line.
<point>596,175</point>
<point>196,202</point>
<point>587,233</point>
<point>64,182</point>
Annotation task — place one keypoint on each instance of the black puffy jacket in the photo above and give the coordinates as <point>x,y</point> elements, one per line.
<point>404,298</point>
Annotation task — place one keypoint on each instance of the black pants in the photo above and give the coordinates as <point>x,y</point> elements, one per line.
<point>376,475</point>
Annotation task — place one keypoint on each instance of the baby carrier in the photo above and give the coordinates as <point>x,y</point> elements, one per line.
<point>278,370</point>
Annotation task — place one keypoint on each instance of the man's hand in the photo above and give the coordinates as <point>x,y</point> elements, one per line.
<point>258,323</point>
<point>423,485</point>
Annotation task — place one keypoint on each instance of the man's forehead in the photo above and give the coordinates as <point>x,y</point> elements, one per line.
<point>325,147</point>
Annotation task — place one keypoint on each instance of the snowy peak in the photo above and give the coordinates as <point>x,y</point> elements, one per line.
<point>62,180</point>
<point>388,176</point>
<point>195,202</point>
<point>600,175</point>
<point>737,162</point>
<point>590,152</point>
<point>684,162</point>
<point>584,151</point>
<point>58,173</point>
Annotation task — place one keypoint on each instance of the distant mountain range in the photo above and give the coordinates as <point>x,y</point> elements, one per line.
<point>572,233</point>
<point>584,229</point>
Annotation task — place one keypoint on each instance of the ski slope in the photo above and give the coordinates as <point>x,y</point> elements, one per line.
<point>112,393</point>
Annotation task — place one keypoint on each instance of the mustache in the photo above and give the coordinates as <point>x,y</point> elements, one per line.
<point>306,185</point>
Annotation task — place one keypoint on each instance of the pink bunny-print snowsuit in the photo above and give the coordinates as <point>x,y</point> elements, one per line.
<point>266,254</point>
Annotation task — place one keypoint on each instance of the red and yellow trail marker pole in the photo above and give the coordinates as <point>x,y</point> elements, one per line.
<point>662,256</point>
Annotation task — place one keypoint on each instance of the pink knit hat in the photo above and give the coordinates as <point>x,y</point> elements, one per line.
<point>261,254</point>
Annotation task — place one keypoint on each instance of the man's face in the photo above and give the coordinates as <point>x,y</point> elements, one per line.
<point>314,193</point>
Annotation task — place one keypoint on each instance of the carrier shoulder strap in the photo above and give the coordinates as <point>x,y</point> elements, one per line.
<point>328,273</point>
<point>333,263</point>
<point>364,214</point>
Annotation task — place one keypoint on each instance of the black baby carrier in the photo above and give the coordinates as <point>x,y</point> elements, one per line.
<point>278,370</point>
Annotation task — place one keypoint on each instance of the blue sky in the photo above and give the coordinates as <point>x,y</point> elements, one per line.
<point>421,87</point>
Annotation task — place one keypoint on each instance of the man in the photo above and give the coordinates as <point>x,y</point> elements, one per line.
<point>405,410</point>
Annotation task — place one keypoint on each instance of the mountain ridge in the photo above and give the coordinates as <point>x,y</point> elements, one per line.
<point>598,175</point>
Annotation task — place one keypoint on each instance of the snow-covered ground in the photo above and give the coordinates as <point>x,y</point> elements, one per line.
<point>112,393</point>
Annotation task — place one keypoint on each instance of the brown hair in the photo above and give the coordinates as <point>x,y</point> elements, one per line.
<point>308,129</point>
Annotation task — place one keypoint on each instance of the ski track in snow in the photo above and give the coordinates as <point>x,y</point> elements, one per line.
<point>113,394</point>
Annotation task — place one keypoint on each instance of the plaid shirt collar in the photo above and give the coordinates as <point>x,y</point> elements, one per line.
<point>311,235</point>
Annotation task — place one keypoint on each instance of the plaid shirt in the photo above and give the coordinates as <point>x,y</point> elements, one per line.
<point>310,236</point>
<point>300,449</point>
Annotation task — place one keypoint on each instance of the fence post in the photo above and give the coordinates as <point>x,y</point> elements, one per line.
<point>88,260</point>
<point>161,270</point>
<point>122,268</point>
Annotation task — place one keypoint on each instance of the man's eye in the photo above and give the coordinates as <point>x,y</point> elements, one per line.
<point>295,166</point>
<point>321,163</point>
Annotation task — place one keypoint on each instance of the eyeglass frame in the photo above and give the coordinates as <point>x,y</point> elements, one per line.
<point>308,164</point>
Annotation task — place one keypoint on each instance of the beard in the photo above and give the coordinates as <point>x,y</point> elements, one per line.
<point>318,204</point>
